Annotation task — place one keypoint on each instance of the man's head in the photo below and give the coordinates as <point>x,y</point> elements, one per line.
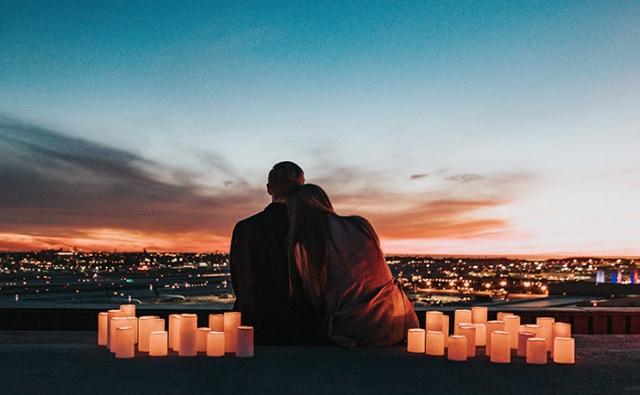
<point>284,179</point>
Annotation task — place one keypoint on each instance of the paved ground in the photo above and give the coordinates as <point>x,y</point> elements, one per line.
<point>73,363</point>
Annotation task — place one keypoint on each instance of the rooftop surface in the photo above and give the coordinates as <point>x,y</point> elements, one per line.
<point>71,362</point>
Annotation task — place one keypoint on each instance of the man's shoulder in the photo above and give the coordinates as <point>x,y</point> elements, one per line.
<point>272,213</point>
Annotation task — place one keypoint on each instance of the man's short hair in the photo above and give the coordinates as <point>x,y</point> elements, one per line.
<point>285,178</point>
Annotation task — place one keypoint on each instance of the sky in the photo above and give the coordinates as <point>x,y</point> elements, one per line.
<point>455,127</point>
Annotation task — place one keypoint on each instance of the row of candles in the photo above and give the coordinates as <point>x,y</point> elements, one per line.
<point>472,329</point>
<point>120,330</point>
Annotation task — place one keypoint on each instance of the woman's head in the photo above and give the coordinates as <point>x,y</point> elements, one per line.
<point>310,197</point>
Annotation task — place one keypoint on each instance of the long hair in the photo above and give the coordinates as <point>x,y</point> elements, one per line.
<point>309,210</point>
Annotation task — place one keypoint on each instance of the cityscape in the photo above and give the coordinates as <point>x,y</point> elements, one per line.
<point>60,276</point>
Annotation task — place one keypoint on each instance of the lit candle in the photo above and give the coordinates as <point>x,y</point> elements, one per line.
<point>145,326</point>
<point>445,329</point>
<point>479,314</point>
<point>232,320</point>
<point>435,343</point>
<point>469,330</point>
<point>129,309</point>
<point>512,325</point>
<point>244,347</point>
<point>500,347</point>
<point>546,330</point>
<point>564,350</point>
<point>215,344</point>
<point>433,321</point>
<point>174,332</point>
<point>116,322</point>
<point>124,341</point>
<point>188,335</point>
<point>201,341</point>
<point>481,334</point>
<point>493,325</point>
<point>522,342</point>
<point>110,315</point>
<point>133,321</point>
<point>158,343</point>
<point>460,317</point>
<point>457,350</point>
<point>501,314</point>
<point>537,350</point>
<point>535,328</point>
<point>416,340</point>
<point>216,322</point>
<point>560,329</point>
<point>158,325</point>
<point>102,328</point>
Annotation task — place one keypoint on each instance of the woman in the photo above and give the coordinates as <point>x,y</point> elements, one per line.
<point>344,274</point>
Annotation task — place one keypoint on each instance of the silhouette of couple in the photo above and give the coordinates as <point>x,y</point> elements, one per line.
<point>304,274</point>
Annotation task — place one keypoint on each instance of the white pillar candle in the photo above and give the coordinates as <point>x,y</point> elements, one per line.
<point>129,309</point>
<point>188,335</point>
<point>201,341</point>
<point>116,322</point>
<point>481,335</point>
<point>433,320</point>
<point>145,326</point>
<point>102,328</point>
<point>469,330</point>
<point>232,320</point>
<point>216,322</point>
<point>501,314</point>
<point>416,340</point>
<point>124,342</point>
<point>512,325</point>
<point>435,343</point>
<point>133,321</point>
<point>560,329</point>
<point>522,342</point>
<point>493,325</point>
<point>244,347</point>
<point>546,330</point>
<point>461,316</point>
<point>537,350</point>
<point>457,350</point>
<point>110,315</point>
<point>479,314</point>
<point>215,344</point>
<point>445,329</point>
<point>535,328</point>
<point>158,325</point>
<point>174,332</point>
<point>564,350</point>
<point>158,344</point>
<point>500,347</point>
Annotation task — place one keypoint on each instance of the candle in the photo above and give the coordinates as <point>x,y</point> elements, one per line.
<point>116,322</point>
<point>559,329</point>
<point>124,343</point>
<point>158,343</point>
<point>433,321</point>
<point>512,325</point>
<point>102,328</point>
<point>460,317</point>
<point>493,325</point>
<point>174,332</point>
<point>145,326</point>
<point>537,350</point>
<point>481,334</point>
<point>564,350</point>
<point>469,330</point>
<point>435,343</point>
<point>244,347</point>
<point>215,344</point>
<point>216,322</point>
<point>129,309</point>
<point>110,315</point>
<point>188,335</point>
<point>158,325</point>
<point>457,350</point>
<point>522,342</point>
<point>501,314</point>
<point>546,331</point>
<point>416,340</point>
<point>445,329</point>
<point>535,328</point>
<point>232,320</point>
<point>201,341</point>
<point>479,314</point>
<point>133,321</point>
<point>500,347</point>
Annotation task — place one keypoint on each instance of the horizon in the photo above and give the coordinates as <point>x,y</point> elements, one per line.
<point>498,128</point>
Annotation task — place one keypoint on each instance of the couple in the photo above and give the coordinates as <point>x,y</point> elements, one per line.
<point>303,274</point>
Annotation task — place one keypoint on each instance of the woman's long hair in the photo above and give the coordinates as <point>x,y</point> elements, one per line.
<point>309,210</point>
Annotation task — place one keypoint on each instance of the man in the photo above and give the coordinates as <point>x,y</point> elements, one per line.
<point>260,270</point>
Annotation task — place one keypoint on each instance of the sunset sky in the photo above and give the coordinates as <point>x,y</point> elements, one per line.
<point>455,127</point>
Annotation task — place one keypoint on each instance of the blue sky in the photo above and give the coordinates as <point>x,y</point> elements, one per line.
<point>455,127</point>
